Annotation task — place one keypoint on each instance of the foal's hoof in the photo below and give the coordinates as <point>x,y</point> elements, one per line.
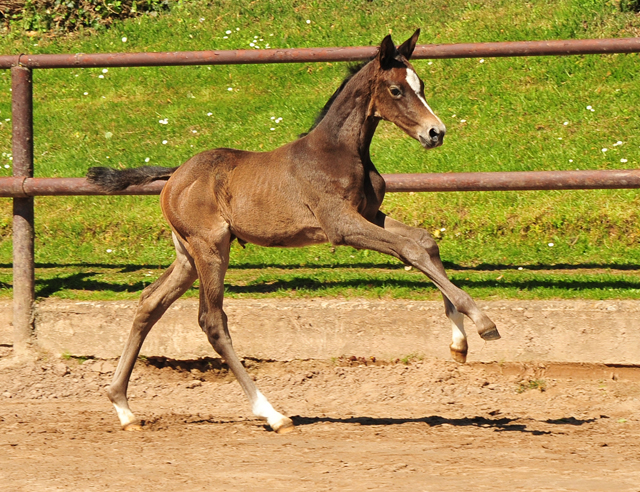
<point>490,334</point>
<point>133,427</point>
<point>284,426</point>
<point>459,355</point>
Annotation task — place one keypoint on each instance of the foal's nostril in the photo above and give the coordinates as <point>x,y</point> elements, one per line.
<point>433,137</point>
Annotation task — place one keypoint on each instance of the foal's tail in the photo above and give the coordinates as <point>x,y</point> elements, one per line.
<point>112,180</point>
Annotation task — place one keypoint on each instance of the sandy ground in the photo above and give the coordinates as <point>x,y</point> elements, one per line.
<point>429,425</point>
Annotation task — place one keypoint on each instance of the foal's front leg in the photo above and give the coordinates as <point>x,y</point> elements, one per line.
<point>351,229</point>
<point>459,346</point>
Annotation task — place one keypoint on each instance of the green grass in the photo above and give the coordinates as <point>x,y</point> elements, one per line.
<point>373,280</point>
<point>514,111</point>
<point>534,384</point>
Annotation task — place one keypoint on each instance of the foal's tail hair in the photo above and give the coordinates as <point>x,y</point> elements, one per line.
<point>112,180</point>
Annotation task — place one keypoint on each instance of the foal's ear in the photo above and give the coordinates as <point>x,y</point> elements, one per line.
<point>387,52</point>
<point>406,49</point>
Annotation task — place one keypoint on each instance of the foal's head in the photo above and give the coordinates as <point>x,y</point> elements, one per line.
<point>399,94</point>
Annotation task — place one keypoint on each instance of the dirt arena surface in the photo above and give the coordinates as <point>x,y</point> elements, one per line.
<point>424,425</point>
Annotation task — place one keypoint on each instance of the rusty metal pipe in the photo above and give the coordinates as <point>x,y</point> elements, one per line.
<point>23,214</point>
<point>513,181</point>
<point>557,47</point>
<point>489,181</point>
<point>334,54</point>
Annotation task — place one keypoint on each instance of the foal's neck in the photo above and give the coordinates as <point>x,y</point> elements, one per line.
<point>349,123</point>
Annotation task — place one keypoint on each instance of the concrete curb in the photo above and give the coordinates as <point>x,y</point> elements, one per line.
<point>275,329</point>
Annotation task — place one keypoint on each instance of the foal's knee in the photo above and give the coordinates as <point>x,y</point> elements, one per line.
<point>429,244</point>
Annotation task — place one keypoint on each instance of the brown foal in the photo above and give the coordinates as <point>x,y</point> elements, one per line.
<point>320,188</point>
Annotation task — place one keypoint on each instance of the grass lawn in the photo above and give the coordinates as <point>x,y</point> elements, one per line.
<point>502,114</point>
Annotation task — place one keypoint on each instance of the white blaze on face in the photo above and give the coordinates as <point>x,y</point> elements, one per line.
<point>414,83</point>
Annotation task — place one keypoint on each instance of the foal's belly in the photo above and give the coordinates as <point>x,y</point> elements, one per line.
<point>276,223</point>
<point>274,234</point>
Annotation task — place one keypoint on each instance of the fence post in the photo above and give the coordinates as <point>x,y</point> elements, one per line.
<point>23,216</point>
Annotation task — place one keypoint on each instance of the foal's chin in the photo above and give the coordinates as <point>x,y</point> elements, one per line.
<point>428,143</point>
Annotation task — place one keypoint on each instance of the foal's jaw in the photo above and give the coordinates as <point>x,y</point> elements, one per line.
<point>425,126</point>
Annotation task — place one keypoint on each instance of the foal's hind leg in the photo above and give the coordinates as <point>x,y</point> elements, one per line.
<point>155,300</point>
<point>212,259</point>
<point>459,346</point>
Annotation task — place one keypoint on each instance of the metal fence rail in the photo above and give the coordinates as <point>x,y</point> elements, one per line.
<point>490,181</point>
<point>23,187</point>
<point>307,55</point>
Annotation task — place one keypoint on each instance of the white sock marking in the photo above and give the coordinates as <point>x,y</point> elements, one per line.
<point>458,335</point>
<point>262,408</point>
<point>125,415</point>
<point>414,82</point>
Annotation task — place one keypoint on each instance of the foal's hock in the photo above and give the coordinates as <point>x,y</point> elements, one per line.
<point>320,188</point>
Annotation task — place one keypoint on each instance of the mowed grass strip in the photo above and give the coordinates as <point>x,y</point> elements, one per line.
<point>502,114</point>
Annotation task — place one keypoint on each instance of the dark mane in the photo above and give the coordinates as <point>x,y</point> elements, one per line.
<point>353,69</point>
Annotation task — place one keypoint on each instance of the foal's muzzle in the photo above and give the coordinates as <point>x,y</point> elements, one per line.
<point>432,137</point>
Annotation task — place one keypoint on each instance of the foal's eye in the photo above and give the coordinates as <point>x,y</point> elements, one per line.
<point>395,91</point>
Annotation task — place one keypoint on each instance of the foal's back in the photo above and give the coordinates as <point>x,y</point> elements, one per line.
<point>263,197</point>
